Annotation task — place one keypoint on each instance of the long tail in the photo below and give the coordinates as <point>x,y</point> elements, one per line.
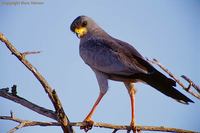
<point>166,86</point>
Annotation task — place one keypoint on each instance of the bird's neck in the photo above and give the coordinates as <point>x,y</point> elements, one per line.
<point>95,32</point>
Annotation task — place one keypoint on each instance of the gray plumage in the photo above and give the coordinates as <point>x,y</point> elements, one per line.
<point>114,59</point>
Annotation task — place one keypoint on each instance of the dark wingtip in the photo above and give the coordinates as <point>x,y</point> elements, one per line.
<point>185,102</point>
<point>191,101</point>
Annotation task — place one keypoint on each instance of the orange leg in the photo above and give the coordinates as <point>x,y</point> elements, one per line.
<point>131,90</point>
<point>132,97</point>
<point>88,118</point>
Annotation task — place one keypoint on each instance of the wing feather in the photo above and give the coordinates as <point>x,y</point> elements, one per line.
<point>113,56</point>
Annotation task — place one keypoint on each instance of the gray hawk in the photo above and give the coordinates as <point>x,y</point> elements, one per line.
<point>113,59</point>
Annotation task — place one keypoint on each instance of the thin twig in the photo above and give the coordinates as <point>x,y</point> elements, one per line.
<point>30,52</point>
<point>48,89</point>
<point>191,83</point>
<point>154,61</point>
<point>30,123</point>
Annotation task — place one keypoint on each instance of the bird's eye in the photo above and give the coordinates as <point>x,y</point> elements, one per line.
<point>84,23</point>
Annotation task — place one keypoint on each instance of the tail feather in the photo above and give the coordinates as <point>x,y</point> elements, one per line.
<point>166,86</point>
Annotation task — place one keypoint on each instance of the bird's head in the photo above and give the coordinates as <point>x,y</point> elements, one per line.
<point>82,25</point>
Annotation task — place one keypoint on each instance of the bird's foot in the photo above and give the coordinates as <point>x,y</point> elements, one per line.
<point>88,123</point>
<point>133,127</point>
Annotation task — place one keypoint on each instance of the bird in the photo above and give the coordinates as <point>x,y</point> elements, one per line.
<point>114,59</point>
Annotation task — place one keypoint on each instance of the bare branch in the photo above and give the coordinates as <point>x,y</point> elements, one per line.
<point>139,128</point>
<point>187,89</point>
<point>62,118</point>
<point>40,110</point>
<point>99,124</point>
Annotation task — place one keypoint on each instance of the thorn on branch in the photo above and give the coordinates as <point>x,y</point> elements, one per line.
<point>56,100</point>
<point>11,114</point>
<point>155,60</point>
<point>14,90</point>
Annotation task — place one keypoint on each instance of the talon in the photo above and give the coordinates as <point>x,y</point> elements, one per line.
<point>133,127</point>
<point>87,125</point>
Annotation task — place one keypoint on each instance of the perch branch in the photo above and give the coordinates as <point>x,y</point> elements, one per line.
<point>187,89</point>
<point>139,128</point>
<point>62,118</point>
<point>98,124</point>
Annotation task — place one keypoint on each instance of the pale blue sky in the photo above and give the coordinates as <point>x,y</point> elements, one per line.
<point>168,30</point>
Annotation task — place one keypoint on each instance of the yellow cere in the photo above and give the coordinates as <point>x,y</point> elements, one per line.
<point>81,31</point>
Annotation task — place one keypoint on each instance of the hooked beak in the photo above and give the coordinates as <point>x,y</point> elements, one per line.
<point>77,35</point>
<point>80,32</point>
